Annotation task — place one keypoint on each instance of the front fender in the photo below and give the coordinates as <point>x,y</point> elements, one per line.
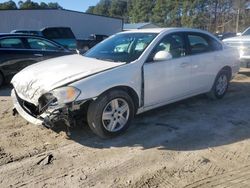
<point>128,75</point>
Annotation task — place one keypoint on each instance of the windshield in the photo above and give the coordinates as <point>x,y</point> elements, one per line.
<point>125,47</point>
<point>247,32</point>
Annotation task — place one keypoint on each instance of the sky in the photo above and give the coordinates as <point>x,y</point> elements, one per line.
<point>78,5</point>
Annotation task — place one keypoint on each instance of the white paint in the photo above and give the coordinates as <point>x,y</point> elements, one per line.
<point>165,81</point>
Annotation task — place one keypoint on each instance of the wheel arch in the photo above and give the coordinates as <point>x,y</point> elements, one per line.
<point>227,69</point>
<point>131,92</point>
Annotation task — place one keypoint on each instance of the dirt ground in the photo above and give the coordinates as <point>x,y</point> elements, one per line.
<point>192,143</point>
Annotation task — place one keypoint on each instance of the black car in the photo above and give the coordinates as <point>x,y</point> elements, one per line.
<point>62,35</point>
<point>85,45</point>
<point>18,51</point>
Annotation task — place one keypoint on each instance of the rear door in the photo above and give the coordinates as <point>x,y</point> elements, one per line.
<point>42,49</point>
<point>205,60</point>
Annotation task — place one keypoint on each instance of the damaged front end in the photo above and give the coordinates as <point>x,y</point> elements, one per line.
<point>55,106</point>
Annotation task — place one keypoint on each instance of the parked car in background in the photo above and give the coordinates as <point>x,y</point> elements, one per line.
<point>246,32</point>
<point>226,35</point>
<point>85,45</point>
<point>18,51</point>
<point>242,43</point>
<point>126,74</point>
<point>29,32</point>
<point>61,35</point>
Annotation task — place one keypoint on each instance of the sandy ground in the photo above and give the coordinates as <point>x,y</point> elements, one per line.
<point>192,143</point>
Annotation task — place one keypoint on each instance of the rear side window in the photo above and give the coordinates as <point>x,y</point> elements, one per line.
<point>14,43</point>
<point>201,43</point>
<point>40,44</point>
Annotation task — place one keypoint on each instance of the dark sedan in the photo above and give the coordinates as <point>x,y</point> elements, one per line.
<point>18,51</point>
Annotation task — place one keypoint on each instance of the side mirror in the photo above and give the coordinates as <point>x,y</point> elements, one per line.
<point>162,56</point>
<point>238,34</point>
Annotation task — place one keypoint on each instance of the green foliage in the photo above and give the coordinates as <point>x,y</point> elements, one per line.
<point>211,15</point>
<point>141,11</point>
<point>8,5</point>
<point>102,8</point>
<point>28,4</point>
<point>54,6</point>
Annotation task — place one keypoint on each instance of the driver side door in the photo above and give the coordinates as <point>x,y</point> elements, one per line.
<point>167,80</point>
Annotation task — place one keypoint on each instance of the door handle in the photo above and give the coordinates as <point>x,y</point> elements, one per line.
<point>38,55</point>
<point>184,64</point>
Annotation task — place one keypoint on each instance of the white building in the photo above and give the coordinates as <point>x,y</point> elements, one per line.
<point>82,24</point>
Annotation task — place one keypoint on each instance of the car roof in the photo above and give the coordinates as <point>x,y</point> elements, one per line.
<point>18,35</point>
<point>163,30</point>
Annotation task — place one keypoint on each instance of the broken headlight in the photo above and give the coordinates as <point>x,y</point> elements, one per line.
<point>65,95</point>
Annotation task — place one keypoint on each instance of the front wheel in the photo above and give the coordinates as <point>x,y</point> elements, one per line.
<point>111,114</point>
<point>220,86</point>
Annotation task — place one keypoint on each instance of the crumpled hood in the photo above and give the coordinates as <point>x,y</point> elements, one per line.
<point>37,79</point>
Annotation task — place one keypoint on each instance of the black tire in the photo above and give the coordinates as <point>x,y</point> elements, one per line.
<point>1,80</point>
<point>101,104</point>
<point>215,93</point>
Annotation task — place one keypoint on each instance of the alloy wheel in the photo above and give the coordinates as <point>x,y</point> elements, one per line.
<point>115,115</point>
<point>221,85</point>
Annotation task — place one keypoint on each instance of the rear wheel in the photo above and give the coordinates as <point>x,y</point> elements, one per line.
<point>220,86</point>
<point>111,114</point>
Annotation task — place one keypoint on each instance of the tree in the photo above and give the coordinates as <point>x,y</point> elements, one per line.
<point>118,8</point>
<point>160,12</point>
<point>11,5</point>
<point>102,8</point>
<point>141,10</point>
<point>43,5</point>
<point>54,6</point>
<point>90,9</point>
<point>28,4</point>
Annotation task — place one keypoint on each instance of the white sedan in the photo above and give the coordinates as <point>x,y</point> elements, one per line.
<point>127,74</point>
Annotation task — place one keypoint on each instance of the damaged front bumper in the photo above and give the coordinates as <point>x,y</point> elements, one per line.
<point>49,117</point>
<point>23,112</point>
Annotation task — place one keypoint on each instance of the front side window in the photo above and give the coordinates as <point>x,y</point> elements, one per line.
<point>14,43</point>
<point>125,47</point>
<point>173,44</point>
<point>201,43</point>
<point>39,44</point>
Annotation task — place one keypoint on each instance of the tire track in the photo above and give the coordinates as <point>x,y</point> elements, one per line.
<point>232,178</point>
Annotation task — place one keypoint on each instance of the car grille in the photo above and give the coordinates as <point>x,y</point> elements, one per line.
<point>28,107</point>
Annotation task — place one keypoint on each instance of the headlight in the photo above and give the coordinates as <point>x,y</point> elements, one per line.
<point>65,94</point>
<point>242,50</point>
